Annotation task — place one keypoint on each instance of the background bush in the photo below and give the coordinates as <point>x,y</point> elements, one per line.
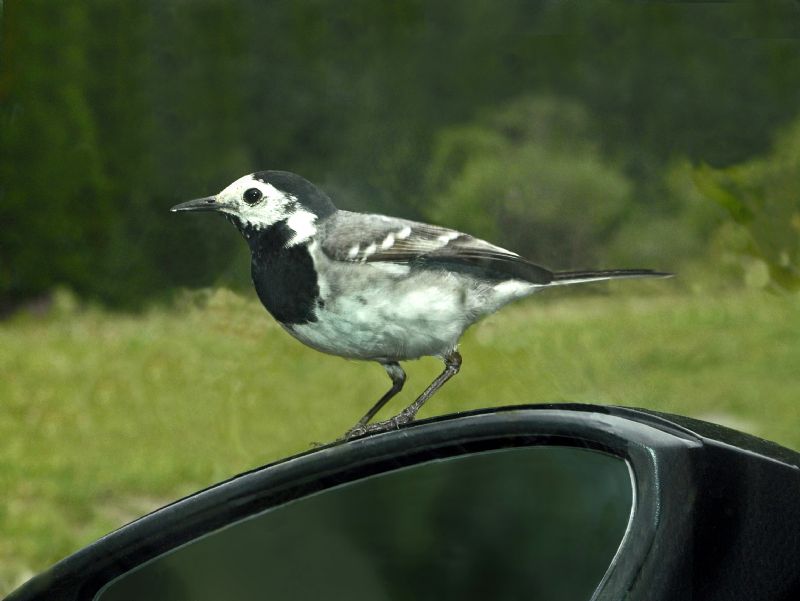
<point>531,176</point>
<point>536,113</point>
<point>762,196</point>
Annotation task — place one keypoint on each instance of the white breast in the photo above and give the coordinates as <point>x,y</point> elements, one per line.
<point>386,311</point>
<point>386,323</point>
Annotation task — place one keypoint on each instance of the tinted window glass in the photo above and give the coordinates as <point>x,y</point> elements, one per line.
<point>526,523</point>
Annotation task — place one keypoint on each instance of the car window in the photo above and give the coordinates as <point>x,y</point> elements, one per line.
<point>523,523</point>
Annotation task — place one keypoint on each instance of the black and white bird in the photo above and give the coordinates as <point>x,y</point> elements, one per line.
<point>371,287</point>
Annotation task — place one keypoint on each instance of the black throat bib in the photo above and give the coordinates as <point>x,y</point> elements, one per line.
<point>284,278</point>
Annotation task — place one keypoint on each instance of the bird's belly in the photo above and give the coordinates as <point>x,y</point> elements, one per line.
<point>381,324</point>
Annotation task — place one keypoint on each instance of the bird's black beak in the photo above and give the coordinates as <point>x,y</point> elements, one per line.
<point>209,203</point>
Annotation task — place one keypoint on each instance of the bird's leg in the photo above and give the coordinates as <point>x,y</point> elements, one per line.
<point>452,363</point>
<point>398,377</point>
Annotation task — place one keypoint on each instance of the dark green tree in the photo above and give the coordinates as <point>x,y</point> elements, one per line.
<point>112,111</point>
<point>52,182</point>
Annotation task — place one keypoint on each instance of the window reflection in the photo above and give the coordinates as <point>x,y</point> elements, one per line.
<point>524,523</point>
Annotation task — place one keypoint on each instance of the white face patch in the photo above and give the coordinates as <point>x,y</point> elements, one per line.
<point>274,205</point>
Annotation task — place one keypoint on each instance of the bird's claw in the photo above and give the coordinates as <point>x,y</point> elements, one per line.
<point>356,431</point>
<point>392,423</point>
<point>400,419</point>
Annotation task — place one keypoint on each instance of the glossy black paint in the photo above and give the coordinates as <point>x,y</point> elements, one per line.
<point>717,513</point>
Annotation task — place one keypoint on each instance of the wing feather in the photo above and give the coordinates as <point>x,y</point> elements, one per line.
<point>356,237</point>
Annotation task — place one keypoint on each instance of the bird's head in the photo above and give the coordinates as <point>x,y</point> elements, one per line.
<point>264,199</point>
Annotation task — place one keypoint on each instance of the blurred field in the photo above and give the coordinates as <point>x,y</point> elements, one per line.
<point>105,416</point>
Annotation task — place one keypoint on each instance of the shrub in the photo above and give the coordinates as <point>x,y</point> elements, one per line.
<point>762,196</point>
<point>530,177</point>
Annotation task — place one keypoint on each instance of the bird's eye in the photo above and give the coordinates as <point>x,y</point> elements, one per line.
<point>252,195</point>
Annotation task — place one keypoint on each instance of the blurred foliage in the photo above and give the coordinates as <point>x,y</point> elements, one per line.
<point>529,175</point>
<point>677,233</point>
<point>112,111</point>
<point>763,197</point>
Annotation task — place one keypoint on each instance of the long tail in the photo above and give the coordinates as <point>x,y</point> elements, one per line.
<point>564,278</point>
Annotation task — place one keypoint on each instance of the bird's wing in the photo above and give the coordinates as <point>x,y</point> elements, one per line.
<point>362,238</point>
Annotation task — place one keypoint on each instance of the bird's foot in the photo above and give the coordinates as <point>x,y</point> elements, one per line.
<point>392,423</point>
<point>356,431</point>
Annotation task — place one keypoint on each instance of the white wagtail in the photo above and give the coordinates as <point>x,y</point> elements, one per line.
<point>372,287</point>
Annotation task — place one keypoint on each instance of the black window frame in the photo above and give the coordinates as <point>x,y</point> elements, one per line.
<point>707,500</point>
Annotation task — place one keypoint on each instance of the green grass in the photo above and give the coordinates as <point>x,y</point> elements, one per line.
<point>104,417</point>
